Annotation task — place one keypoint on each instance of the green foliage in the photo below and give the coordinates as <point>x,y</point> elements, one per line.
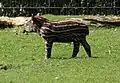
<point>22,59</point>
<point>62,17</point>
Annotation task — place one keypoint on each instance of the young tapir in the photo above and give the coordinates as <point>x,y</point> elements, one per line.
<point>59,31</point>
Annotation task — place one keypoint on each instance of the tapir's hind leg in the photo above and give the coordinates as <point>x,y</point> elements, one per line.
<point>75,49</point>
<point>86,46</point>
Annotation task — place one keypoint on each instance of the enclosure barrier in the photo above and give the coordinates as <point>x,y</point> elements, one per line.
<point>59,7</point>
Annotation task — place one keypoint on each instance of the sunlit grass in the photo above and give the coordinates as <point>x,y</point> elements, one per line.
<point>61,17</point>
<point>23,57</point>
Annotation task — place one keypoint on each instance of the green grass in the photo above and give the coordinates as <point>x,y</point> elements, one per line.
<point>62,17</point>
<point>23,56</point>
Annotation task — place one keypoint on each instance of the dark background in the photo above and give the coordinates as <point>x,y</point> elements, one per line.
<point>59,7</point>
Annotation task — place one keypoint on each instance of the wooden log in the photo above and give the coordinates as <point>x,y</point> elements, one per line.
<point>5,24</point>
<point>104,21</point>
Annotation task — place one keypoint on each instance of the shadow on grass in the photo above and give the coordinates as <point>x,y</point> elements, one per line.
<point>63,58</point>
<point>5,66</point>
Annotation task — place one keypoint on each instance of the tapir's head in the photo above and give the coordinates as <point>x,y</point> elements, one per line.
<point>34,24</point>
<point>29,27</point>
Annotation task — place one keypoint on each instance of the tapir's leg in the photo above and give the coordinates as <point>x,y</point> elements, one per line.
<point>86,46</point>
<point>75,49</point>
<point>48,48</point>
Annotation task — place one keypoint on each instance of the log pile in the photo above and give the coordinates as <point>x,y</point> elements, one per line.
<point>88,20</point>
<point>12,21</point>
<point>109,20</point>
<point>4,24</point>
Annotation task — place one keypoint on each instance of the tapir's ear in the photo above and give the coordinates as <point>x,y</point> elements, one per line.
<point>38,14</point>
<point>32,18</point>
<point>34,14</point>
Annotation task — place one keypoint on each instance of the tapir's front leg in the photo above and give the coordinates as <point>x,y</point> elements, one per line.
<point>48,48</point>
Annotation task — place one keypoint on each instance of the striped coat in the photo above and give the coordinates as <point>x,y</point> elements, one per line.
<point>62,31</point>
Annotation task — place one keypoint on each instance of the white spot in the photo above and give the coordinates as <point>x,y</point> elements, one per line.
<point>56,78</point>
<point>0,4</point>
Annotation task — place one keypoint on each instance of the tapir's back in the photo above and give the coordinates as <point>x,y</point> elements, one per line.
<point>66,31</point>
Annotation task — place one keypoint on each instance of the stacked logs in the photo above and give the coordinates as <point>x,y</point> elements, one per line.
<point>4,24</point>
<point>104,20</point>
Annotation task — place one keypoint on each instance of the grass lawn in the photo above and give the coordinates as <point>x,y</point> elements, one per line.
<point>23,58</point>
